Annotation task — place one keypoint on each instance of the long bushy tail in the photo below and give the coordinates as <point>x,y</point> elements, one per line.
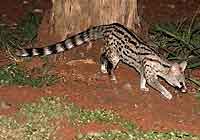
<point>90,34</point>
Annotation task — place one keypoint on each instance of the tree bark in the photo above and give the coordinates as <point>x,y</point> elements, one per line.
<point>72,16</point>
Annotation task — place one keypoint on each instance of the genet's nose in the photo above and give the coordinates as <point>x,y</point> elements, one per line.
<point>183,88</point>
<point>180,85</point>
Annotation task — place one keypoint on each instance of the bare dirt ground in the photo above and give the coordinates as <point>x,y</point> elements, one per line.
<point>84,85</point>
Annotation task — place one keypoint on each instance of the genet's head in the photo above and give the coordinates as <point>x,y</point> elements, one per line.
<point>176,77</point>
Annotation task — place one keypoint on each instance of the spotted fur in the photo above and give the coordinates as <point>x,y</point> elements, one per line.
<point>122,45</point>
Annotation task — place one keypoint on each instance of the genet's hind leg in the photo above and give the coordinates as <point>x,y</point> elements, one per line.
<point>112,60</point>
<point>104,63</point>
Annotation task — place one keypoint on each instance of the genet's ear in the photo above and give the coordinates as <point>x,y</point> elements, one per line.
<point>177,68</point>
<point>183,66</point>
<point>174,69</point>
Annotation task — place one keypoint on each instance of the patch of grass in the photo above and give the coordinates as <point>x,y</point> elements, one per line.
<point>39,123</point>
<point>10,38</point>
<point>122,135</point>
<point>196,82</point>
<point>8,122</point>
<point>50,107</point>
<point>13,37</point>
<point>29,26</point>
<point>39,117</point>
<point>79,116</point>
<point>13,75</point>
<point>179,41</point>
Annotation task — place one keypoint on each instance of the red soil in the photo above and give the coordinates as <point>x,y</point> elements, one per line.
<point>84,85</point>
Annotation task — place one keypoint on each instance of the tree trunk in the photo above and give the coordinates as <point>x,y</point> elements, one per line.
<point>72,16</point>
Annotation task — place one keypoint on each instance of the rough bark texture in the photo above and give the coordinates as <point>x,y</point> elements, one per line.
<point>72,16</point>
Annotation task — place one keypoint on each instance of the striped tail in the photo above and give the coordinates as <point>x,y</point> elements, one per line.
<point>90,34</point>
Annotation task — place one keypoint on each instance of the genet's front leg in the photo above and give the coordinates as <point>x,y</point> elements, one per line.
<point>143,83</point>
<point>154,83</point>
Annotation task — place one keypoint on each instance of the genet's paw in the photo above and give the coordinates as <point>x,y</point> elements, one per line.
<point>145,89</point>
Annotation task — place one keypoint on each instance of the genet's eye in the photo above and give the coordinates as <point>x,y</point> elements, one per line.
<point>181,84</point>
